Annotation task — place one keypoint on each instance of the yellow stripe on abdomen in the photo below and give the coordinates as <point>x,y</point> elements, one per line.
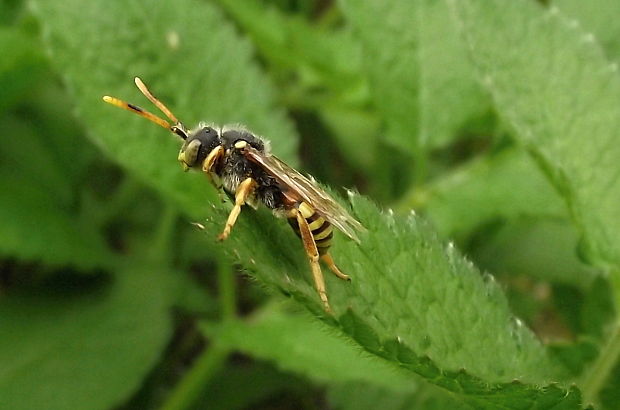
<point>316,224</point>
<point>322,231</point>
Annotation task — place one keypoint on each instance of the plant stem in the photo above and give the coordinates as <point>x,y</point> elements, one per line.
<point>598,373</point>
<point>214,357</point>
<point>205,367</point>
<point>226,288</point>
<point>602,367</point>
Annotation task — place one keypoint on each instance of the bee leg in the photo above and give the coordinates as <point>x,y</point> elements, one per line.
<point>244,190</point>
<point>313,255</point>
<point>329,261</point>
<point>207,165</point>
<point>215,154</point>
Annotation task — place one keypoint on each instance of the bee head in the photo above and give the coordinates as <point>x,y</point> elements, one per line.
<point>198,146</point>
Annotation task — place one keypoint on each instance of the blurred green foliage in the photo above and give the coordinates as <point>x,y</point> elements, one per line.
<point>494,120</point>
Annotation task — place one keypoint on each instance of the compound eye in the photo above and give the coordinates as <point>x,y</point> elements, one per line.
<point>191,153</point>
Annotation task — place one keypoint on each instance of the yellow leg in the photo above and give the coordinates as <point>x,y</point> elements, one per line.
<point>208,163</point>
<point>213,156</point>
<point>329,261</point>
<point>244,190</point>
<point>313,256</point>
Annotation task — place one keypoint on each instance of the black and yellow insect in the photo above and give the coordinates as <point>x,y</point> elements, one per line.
<point>239,162</point>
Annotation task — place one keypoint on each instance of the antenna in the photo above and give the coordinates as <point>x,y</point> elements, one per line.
<point>176,128</point>
<point>143,88</point>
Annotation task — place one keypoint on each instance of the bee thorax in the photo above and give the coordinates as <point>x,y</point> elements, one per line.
<point>230,181</point>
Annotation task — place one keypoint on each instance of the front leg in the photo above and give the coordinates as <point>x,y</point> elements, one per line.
<point>210,160</point>
<point>244,191</point>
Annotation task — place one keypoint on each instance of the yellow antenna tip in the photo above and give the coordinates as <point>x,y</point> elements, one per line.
<point>137,110</point>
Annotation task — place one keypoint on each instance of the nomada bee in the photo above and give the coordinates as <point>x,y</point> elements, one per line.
<point>240,163</point>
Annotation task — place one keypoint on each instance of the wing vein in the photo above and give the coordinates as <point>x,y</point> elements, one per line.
<point>310,191</point>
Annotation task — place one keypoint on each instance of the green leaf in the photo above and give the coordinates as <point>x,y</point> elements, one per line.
<point>414,302</point>
<point>542,248</point>
<point>69,155</point>
<point>422,82</point>
<point>326,65</point>
<point>552,83</point>
<point>350,127</point>
<point>38,217</point>
<point>610,395</point>
<point>575,356</point>
<point>21,66</point>
<point>258,383</point>
<point>30,152</point>
<point>34,228</point>
<point>332,57</point>
<point>88,348</point>
<point>362,396</point>
<point>190,57</point>
<point>297,344</point>
<point>598,17</point>
<point>505,186</point>
<point>9,9</point>
<point>598,311</point>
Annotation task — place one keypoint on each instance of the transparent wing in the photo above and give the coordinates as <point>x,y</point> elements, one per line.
<point>309,190</point>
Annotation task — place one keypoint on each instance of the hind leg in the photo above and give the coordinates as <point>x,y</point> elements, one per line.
<point>313,256</point>
<point>329,261</point>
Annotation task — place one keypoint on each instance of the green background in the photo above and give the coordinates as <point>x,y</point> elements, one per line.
<point>479,141</point>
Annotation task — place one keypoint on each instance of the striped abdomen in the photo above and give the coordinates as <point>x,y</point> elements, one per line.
<point>322,230</point>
